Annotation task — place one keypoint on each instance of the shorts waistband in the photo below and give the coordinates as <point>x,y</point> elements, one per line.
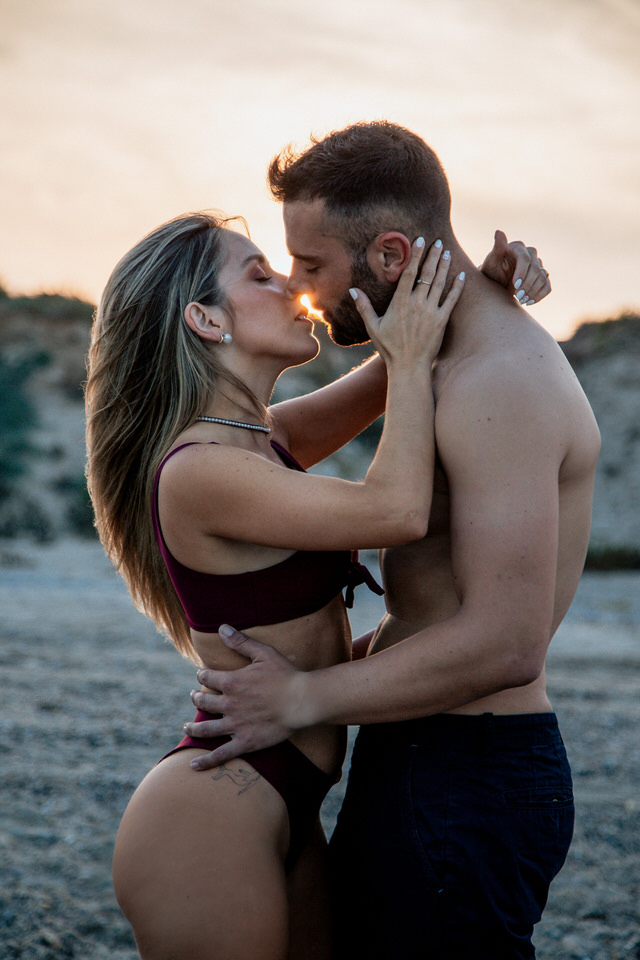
<point>500,729</point>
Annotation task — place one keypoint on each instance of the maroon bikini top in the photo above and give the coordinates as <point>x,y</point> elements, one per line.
<point>303,583</point>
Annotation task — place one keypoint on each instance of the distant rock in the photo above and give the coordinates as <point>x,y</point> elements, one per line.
<point>606,359</point>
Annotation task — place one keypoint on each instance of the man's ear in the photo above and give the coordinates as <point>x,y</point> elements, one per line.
<point>205,321</point>
<point>388,255</point>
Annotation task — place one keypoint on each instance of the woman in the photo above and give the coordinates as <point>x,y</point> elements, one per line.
<point>203,508</point>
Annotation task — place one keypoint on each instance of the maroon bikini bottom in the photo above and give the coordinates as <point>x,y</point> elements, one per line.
<point>300,783</point>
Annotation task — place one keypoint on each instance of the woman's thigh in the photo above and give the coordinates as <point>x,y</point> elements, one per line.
<point>198,864</point>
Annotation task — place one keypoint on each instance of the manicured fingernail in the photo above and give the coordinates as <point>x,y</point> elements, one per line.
<point>226,630</point>
<point>531,303</point>
<point>420,242</point>
<point>354,294</point>
<point>518,284</point>
<point>519,294</point>
<point>438,244</point>
<point>461,276</point>
<point>446,255</point>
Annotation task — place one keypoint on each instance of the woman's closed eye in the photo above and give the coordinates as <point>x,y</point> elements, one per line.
<point>263,273</point>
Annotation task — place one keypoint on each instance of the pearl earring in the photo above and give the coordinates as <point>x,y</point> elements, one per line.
<point>226,338</point>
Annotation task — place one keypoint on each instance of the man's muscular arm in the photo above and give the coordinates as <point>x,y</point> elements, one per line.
<point>501,444</point>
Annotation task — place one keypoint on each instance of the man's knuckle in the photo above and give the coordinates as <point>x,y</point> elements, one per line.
<point>231,686</point>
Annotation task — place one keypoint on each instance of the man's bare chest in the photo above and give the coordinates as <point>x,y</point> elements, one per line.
<point>417,576</point>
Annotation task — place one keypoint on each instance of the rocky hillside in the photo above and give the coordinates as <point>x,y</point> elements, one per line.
<point>43,342</point>
<point>606,359</point>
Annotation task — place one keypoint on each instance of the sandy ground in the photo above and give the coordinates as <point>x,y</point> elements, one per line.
<point>80,731</point>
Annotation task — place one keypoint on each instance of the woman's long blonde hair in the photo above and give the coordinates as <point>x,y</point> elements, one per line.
<point>149,377</point>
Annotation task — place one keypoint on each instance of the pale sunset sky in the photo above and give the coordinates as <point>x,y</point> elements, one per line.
<point>119,114</point>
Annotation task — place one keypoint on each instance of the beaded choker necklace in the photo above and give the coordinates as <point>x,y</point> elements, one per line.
<point>236,423</point>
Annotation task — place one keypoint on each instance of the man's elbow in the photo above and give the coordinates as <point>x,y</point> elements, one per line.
<point>522,672</point>
<point>525,660</point>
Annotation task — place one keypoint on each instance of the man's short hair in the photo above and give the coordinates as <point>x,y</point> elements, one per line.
<point>372,177</point>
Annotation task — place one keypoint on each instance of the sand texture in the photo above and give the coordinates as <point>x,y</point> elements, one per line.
<point>80,729</point>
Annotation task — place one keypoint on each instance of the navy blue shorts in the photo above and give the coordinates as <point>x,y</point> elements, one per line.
<point>451,831</point>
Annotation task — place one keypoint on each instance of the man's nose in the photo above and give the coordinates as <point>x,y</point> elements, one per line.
<point>296,287</point>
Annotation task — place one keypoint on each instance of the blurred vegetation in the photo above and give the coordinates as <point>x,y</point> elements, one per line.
<point>45,306</point>
<point>79,512</point>
<point>22,511</point>
<point>17,415</point>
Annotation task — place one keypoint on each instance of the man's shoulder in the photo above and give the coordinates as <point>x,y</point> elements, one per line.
<point>523,387</point>
<point>526,362</point>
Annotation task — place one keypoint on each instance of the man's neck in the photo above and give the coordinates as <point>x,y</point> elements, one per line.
<point>463,327</point>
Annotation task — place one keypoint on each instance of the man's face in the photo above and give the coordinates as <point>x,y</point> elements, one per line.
<point>324,269</point>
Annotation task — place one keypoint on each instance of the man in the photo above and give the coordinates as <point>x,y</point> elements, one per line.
<point>459,808</point>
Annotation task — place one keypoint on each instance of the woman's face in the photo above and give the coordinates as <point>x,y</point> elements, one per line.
<point>266,322</point>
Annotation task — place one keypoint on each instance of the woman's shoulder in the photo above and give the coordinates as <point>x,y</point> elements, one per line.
<point>198,467</point>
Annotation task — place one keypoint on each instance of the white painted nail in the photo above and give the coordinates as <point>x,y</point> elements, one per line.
<point>446,255</point>
<point>519,294</point>
<point>461,276</point>
<point>438,244</point>
<point>420,242</point>
<point>354,293</point>
<point>518,284</point>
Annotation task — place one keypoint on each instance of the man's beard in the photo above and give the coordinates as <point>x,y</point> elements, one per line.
<point>345,323</point>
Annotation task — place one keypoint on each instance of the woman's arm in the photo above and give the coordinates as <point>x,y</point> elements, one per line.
<point>321,422</point>
<point>518,268</point>
<point>233,493</point>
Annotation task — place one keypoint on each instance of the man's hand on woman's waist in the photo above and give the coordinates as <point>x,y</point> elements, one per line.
<point>261,704</point>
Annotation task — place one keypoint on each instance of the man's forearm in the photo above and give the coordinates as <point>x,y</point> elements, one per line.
<point>449,664</point>
<point>440,668</point>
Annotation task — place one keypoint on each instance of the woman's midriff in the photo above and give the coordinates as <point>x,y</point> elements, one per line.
<point>311,642</point>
